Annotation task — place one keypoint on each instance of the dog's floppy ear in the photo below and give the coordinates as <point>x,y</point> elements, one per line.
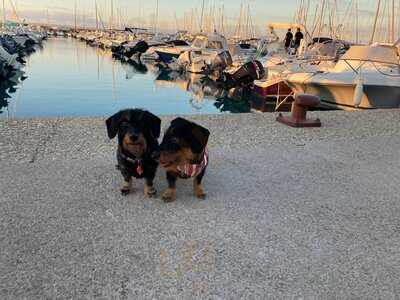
<point>153,122</point>
<point>195,135</point>
<point>180,122</point>
<point>113,123</point>
<point>200,140</point>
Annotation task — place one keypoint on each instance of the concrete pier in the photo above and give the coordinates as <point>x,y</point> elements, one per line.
<point>290,213</point>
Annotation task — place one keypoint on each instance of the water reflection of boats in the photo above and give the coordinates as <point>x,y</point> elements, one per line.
<point>234,100</point>
<point>9,86</point>
<point>227,104</point>
<point>200,86</point>
<point>134,67</point>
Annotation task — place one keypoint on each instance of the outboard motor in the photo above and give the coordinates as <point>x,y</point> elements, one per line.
<point>140,48</point>
<point>221,61</point>
<point>245,75</point>
<point>29,43</point>
<point>116,50</point>
<point>3,73</point>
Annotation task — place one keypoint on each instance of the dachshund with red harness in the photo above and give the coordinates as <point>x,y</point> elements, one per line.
<point>183,153</point>
<point>138,132</point>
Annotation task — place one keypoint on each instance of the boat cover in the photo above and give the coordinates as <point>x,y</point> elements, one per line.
<point>379,54</point>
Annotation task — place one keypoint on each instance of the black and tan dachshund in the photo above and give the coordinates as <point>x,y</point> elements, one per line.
<point>138,132</point>
<point>183,153</point>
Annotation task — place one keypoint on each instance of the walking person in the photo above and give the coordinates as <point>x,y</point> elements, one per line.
<point>297,39</point>
<point>288,40</point>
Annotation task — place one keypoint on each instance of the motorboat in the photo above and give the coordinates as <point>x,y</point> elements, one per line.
<point>364,77</point>
<point>170,52</point>
<point>207,54</point>
<point>243,76</point>
<point>128,49</point>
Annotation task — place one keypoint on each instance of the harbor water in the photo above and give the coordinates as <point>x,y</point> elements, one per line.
<point>67,78</point>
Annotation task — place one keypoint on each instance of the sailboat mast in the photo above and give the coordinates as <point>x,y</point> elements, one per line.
<point>176,22</point>
<point>4,14</point>
<point>357,38</point>
<point>97,15</point>
<point>248,25</point>
<point>112,15</point>
<point>322,18</point>
<point>223,20</point>
<point>201,19</point>
<point>393,22</point>
<point>75,16</point>
<point>191,20</point>
<point>138,23</point>
<point>156,20</point>
<point>375,22</point>
<point>83,17</point>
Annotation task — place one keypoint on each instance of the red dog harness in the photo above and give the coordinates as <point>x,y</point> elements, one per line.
<point>193,170</point>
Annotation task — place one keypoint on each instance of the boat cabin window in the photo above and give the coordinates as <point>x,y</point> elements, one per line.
<point>215,45</point>
<point>198,43</point>
<point>179,43</point>
<point>244,46</point>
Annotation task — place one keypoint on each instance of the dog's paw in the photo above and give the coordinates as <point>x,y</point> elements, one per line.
<point>201,195</point>
<point>199,192</point>
<point>169,195</point>
<point>150,191</point>
<point>125,191</point>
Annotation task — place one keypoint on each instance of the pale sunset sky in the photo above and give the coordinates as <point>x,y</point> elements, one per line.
<point>171,12</point>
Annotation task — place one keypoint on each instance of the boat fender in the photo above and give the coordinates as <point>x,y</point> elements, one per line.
<point>358,92</point>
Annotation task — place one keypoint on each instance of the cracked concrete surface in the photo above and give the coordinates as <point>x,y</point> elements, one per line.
<point>290,213</point>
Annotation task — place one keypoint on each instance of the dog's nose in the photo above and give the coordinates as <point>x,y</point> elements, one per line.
<point>134,137</point>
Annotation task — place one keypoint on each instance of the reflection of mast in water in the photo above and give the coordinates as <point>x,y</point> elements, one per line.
<point>114,96</point>
<point>77,53</point>
<point>98,65</point>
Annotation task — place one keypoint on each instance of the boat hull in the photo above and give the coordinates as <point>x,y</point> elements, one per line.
<point>167,57</point>
<point>342,96</point>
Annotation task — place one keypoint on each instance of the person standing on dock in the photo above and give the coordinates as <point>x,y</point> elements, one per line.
<point>288,40</point>
<point>297,39</point>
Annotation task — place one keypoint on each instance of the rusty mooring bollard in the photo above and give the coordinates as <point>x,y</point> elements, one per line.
<point>299,112</point>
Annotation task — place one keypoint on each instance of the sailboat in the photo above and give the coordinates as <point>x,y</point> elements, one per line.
<point>366,76</point>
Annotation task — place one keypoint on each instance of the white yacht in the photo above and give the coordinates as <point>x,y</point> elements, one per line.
<point>364,77</point>
<point>171,51</point>
<point>208,53</point>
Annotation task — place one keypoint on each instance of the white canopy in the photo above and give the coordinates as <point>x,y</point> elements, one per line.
<point>285,26</point>
<point>378,53</point>
<point>204,40</point>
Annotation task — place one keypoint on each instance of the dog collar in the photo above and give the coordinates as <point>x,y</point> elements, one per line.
<point>193,170</point>
<point>137,162</point>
